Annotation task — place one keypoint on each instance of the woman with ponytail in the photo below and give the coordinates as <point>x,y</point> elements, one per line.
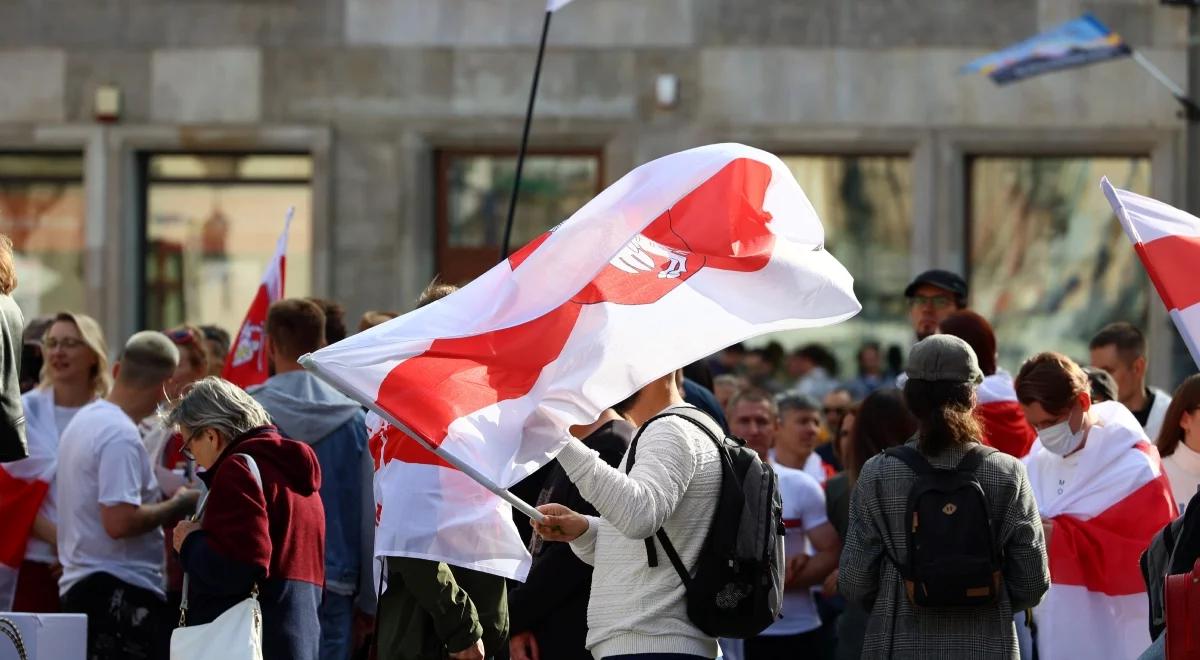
<point>943,374</point>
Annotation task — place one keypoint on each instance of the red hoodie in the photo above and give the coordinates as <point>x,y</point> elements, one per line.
<point>1004,423</point>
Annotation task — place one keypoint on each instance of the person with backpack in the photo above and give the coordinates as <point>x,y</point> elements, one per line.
<point>637,610</point>
<point>944,541</point>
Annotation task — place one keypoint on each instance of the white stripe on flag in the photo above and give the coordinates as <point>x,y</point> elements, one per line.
<point>1187,321</point>
<point>555,5</point>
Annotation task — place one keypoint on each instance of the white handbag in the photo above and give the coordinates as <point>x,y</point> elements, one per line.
<point>236,634</point>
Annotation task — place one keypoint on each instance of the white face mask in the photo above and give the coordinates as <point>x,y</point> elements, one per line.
<point>1059,438</point>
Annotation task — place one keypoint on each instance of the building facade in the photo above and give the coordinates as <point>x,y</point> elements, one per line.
<point>391,126</point>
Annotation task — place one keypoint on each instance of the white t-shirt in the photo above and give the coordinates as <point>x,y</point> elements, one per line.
<point>803,511</point>
<point>814,466</point>
<point>102,440</point>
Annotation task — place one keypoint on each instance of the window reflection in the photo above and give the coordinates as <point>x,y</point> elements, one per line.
<point>42,211</point>
<point>865,205</point>
<point>1049,264</point>
<point>211,226</point>
<point>475,191</point>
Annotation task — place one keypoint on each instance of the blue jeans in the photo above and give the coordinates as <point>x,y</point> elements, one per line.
<point>337,619</point>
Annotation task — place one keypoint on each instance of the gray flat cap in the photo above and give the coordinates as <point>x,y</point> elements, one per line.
<point>943,358</point>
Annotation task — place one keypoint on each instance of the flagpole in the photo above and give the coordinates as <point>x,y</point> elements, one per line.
<point>524,507</point>
<point>1180,95</point>
<point>512,203</point>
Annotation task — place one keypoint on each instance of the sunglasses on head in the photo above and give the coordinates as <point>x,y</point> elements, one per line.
<point>182,336</point>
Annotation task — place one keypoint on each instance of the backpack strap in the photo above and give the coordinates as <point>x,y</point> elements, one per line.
<point>974,458</point>
<point>912,458</point>
<point>681,412</point>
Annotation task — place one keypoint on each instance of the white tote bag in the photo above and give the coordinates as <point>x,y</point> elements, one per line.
<point>236,634</point>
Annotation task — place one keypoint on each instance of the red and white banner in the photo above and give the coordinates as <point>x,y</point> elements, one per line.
<point>246,363</point>
<point>1106,502</point>
<point>1003,420</point>
<point>1167,241</point>
<point>682,257</point>
<point>448,515</point>
<point>24,485</point>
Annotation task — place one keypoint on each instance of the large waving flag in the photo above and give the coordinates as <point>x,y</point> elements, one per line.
<point>1168,242</point>
<point>683,256</point>
<point>1084,40</point>
<point>1106,503</point>
<point>246,363</point>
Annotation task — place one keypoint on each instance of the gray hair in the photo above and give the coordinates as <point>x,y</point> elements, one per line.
<point>217,404</point>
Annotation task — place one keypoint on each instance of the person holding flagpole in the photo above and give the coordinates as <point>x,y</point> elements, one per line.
<point>673,486</point>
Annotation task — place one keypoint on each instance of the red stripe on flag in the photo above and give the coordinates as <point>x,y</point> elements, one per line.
<point>791,523</point>
<point>20,501</point>
<point>1171,263</point>
<point>721,223</point>
<point>1102,553</point>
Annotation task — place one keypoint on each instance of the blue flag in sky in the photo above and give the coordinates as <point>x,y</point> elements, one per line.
<point>1075,43</point>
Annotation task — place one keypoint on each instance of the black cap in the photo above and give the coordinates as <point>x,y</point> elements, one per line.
<point>1103,386</point>
<point>942,279</point>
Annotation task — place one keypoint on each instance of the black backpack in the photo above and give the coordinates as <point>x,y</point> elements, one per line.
<point>737,588</point>
<point>952,555</point>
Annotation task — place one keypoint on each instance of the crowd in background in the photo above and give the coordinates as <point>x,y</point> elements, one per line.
<point>127,449</point>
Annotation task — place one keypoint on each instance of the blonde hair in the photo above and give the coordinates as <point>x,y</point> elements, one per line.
<point>93,337</point>
<point>8,269</point>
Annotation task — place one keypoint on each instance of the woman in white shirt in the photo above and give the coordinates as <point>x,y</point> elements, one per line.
<point>75,372</point>
<point>1179,441</point>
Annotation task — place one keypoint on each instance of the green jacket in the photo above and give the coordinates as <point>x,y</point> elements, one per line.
<point>431,609</point>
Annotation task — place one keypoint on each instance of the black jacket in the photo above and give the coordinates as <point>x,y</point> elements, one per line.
<point>12,415</point>
<point>552,603</point>
<point>1173,551</point>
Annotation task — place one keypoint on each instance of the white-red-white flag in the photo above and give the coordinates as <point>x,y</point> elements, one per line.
<point>246,363</point>
<point>1003,420</point>
<point>1106,503</point>
<point>24,485</point>
<point>1167,241</point>
<point>682,257</point>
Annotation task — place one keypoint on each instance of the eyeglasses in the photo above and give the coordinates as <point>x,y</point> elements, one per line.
<point>183,449</point>
<point>938,302</point>
<point>834,411</point>
<point>63,342</point>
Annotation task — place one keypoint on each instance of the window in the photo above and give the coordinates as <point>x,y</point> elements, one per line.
<point>211,223</point>
<point>865,205</point>
<point>42,211</point>
<point>473,196</point>
<point>1049,265</point>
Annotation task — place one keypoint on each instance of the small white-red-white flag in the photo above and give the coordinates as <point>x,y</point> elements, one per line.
<point>555,5</point>
<point>1168,242</point>
<point>682,257</point>
<point>246,363</point>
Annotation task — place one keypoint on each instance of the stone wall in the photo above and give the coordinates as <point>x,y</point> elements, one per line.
<point>389,81</point>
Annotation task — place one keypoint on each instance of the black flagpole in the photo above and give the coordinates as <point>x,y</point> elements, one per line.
<point>512,204</point>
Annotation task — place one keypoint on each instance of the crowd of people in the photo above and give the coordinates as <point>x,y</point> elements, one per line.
<point>1079,467</point>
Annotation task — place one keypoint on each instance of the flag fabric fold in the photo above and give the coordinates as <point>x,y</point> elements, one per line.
<point>682,257</point>
<point>1167,241</point>
<point>24,487</point>
<point>1003,420</point>
<point>1084,40</point>
<point>1105,503</point>
<point>246,363</point>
